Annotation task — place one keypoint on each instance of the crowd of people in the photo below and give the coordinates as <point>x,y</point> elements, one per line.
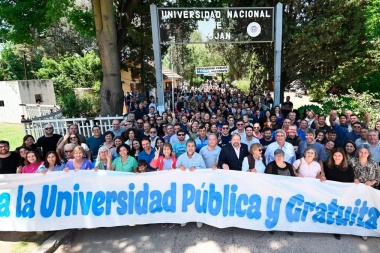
<point>212,129</point>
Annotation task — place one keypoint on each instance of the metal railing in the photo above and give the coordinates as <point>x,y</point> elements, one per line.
<point>31,111</point>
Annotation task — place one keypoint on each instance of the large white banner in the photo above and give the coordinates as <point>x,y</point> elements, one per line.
<point>88,199</point>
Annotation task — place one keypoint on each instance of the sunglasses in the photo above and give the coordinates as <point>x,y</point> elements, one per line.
<point>68,151</point>
<point>48,128</point>
<point>180,134</point>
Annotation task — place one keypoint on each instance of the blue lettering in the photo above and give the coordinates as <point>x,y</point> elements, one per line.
<point>242,199</point>
<point>308,206</point>
<point>5,199</point>
<point>226,194</point>
<point>354,214</point>
<point>48,209</point>
<point>339,217</point>
<point>332,208</point>
<point>170,199</point>
<point>141,202</point>
<point>188,196</point>
<point>201,208</point>
<point>293,201</point>
<point>111,197</point>
<point>320,215</point>
<point>215,201</point>
<point>131,198</point>
<point>75,199</point>
<point>373,214</point>
<point>155,204</point>
<point>99,199</point>
<point>273,212</point>
<point>122,201</point>
<point>85,203</point>
<point>233,199</point>
<point>253,211</point>
<point>63,196</point>
<point>362,212</point>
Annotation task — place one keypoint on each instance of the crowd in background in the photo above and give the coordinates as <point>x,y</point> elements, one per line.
<point>212,127</point>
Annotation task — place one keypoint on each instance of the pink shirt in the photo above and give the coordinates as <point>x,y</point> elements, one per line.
<point>31,168</point>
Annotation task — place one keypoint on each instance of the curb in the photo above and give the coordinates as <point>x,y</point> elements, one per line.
<point>52,243</point>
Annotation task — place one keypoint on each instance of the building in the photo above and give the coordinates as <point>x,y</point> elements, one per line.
<point>15,93</point>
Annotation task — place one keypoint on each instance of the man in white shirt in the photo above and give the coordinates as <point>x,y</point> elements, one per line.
<point>290,155</point>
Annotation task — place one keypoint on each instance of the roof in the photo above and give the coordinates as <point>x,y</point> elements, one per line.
<point>166,72</point>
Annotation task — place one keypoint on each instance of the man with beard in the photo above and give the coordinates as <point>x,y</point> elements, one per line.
<point>48,142</point>
<point>249,139</point>
<point>292,137</point>
<point>9,161</point>
<point>232,155</point>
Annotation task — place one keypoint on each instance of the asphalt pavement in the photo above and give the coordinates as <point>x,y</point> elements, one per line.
<point>190,239</point>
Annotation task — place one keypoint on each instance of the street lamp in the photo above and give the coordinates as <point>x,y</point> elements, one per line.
<point>172,41</point>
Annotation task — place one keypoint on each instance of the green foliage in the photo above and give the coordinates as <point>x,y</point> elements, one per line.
<point>314,108</point>
<point>243,85</point>
<point>358,103</point>
<point>25,21</point>
<point>13,61</point>
<point>70,72</point>
<point>83,106</point>
<point>83,21</point>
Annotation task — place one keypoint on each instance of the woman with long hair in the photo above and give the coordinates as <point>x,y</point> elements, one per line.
<point>118,140</point>
<point>51,163</point>
<point>29,142</point>
<point>279,116</point>
<point>32,162</point>
<point>159,144</point>
<point>136,148</point>
<point>129,135</point>
<point>350,149</point>
<point>338,169</point>
<point>365,168</point>
<point>308,165</point>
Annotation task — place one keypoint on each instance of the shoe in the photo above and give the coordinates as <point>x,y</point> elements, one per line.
<point>171,225</point>
<point>163,225</point>
<point>364,238</point>
<point>183,224</point>
<point>199,224</point>
<point>271,232</point>
<point>290,233</point>
<point>132,225</point>
<point>337,236</point>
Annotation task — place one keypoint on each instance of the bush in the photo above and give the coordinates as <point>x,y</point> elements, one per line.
<point>86,106</point>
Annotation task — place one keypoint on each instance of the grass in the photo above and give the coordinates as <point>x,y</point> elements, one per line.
<point>12,133</point>
<point>30,242</point>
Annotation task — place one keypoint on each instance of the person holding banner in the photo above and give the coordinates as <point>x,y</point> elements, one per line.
<point>104,159</point>
<point>190,160</point>
<point>308,166</point>
<point>280,167</point>
<point>165,162</point>
<point>254,162</point>
<point>280,143</point>
<point>79,162</point>
<point>338,169</point>
<point>51,163</point>
<point>365,168</point>
<point>125,162</point>
<point>32,163</point>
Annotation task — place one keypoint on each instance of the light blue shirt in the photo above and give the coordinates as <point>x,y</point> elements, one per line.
<point>290,154</point>
<point>210,157</point>
<point>196,160</point>
<point>249,143</point>
<point>199,143</point>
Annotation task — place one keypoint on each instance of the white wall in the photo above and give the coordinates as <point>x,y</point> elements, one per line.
<point>9,93</point>
<point>14,93</point>
<point>29,88</point>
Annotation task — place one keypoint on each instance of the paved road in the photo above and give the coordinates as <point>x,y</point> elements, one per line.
<point>190,239</point>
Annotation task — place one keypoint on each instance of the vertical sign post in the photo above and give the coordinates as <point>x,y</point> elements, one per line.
<point>277,53</point>
<point>157,57</point>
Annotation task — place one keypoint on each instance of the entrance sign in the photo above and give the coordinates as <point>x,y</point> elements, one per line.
<point>211,70</point>
<point>89,199</point>
<point>219,25</point>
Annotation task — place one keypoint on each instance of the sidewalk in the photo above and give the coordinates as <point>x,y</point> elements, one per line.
<point>191,239</point>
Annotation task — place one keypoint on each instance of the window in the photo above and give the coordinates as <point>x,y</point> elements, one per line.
<point>38,98</point>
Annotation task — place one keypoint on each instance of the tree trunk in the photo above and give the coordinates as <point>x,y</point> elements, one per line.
<point>111,92</point>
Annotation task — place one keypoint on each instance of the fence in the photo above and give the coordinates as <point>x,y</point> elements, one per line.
<point>32,111</point>
<point>35,127</point>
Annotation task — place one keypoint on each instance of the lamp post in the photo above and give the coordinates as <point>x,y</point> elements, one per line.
<point>171,62</point>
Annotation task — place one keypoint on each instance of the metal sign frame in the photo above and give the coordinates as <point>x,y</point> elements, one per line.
<point>277,27</point>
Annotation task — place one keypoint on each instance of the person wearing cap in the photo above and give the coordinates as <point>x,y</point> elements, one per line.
<point>280,143</point>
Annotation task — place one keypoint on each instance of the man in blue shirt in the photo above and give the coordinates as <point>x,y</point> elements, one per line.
<point>190,160</point>
<point>201,140</point>
<point>148,153</point>
<point>95,141</point>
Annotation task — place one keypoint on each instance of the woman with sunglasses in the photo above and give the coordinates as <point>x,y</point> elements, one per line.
<point>255,161</point>
<point>72,138</point>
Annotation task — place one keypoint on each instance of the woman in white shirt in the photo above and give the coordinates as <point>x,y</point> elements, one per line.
<point>308,166</point>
